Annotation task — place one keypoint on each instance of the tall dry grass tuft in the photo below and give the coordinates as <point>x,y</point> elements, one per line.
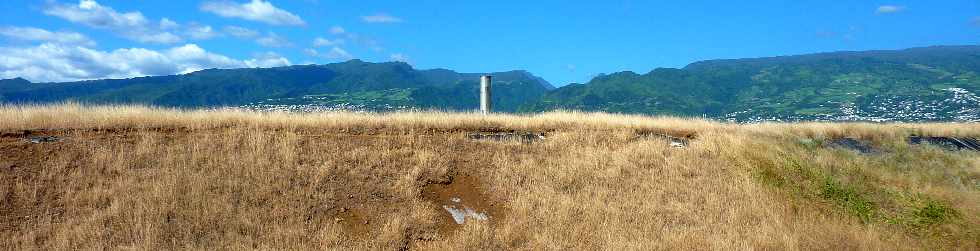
<point>150,178</point>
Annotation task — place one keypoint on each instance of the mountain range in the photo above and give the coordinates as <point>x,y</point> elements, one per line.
<point>937,83</point>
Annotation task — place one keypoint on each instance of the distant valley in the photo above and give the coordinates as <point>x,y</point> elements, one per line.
<point>919,84</point>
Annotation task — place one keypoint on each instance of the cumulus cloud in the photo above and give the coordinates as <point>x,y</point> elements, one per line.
<point>398,57</point>
<point>37,34</point>
<point>89,12</point>
<point>311,52</point>
<point>167,24</point>
<point>266,60</point>
<point>241,32</point>
<point>338,53</point>
<point>381,18</point>
<point>131,25</point>
<point>201,32</point>
<point>321,42</point>
<point>191,58</point>
<point>888,9</point>
<point>256,10</point>
<point>273,40</point>
<point>51,62</point>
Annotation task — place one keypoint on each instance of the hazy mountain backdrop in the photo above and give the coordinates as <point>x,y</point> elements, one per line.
<point>920,84</point>
<point>353,85</point>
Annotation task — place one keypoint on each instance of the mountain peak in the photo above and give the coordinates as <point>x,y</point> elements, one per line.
<point>12,81</point>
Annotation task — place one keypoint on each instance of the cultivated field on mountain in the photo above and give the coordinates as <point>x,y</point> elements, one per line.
<point>94,177</point>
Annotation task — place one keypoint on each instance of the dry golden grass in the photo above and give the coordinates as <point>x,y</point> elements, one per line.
<point>147,178</point>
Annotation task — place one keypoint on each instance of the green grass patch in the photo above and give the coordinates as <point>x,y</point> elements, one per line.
<point>934,212</point>
<point>854,184</point>
<point>848,198</point>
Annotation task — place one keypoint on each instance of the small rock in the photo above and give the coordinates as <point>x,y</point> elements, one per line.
<point>343,209</point>
<point>43,139</point>
<point>350,196</point>
<point>365,222</point>
<point>338,220</point>
<point>676,144</point>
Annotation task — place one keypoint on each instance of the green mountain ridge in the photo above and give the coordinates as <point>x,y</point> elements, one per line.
<point>918,84</point>
<point>425,89</point>
<point>937,83</point>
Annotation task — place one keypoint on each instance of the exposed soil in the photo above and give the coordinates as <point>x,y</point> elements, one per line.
<point>465,191</point>
<point>852,144</point>
<point>948,143</point>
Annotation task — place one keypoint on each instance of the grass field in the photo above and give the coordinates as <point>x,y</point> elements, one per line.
<point>148,178</point>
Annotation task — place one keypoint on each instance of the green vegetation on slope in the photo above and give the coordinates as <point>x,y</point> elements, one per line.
<point>438,88</point>
<point>919,84</point>
<point>934,83</point>
<point>877,188</point>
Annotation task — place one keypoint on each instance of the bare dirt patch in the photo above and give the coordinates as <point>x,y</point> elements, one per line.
<point>948,143</point>
<point>860,146</point>
<point>460,201</point>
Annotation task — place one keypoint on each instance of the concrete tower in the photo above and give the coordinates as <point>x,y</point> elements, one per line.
<point>485,104</point>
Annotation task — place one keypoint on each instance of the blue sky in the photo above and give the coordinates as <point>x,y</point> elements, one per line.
<point>562,41</point>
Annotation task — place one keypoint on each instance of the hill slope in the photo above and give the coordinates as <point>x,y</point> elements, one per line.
<point>79,177</point>
<point>352,83</point>
<point>920,84</point>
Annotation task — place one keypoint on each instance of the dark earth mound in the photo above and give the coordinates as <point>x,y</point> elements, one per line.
<point>948,143</point>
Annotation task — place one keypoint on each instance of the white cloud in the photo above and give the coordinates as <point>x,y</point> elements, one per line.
<point>888,9</point>
<point>337,53</point>
<point>311,52</point>
<point>191,58</point>
<point>398,57</point>
<point>167,24</point>
<point>381,18</point>
<point>59,62</point>
<point>201,32</point>
<point>36,34</point>
<point>90,13</point>
<point>336,30</point>
<point>266,60</point>
<point>570,67</point>
<point>241,32</point>
<point>131,25</point>
<point>273,40</point>
<point>256,10</point>
<point>320,42</point>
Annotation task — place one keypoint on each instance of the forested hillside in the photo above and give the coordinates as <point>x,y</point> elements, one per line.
<point>919,84</point>
<point>933,83</point>
<point>357,84</point>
